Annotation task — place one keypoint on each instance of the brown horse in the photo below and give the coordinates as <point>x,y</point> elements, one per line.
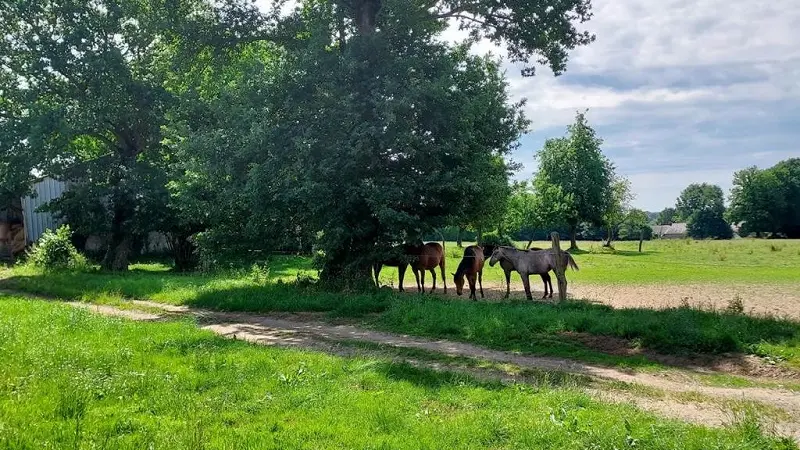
<point>430,255</point>
<point>471,266</point>
<point>420,257</point>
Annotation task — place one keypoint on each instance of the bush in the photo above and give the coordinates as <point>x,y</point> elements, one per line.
<point>496,239</point>
<point>55,251</point>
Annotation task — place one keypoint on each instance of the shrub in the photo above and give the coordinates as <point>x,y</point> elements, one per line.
<point>496,240</point>
<point>55,251</point>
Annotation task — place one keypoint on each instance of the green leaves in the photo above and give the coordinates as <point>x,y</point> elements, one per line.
<point>574,178</point>
<point>765,201</point>
<point>701,205</point>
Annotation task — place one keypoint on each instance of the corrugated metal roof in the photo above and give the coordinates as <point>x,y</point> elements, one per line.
<point>36,223</point>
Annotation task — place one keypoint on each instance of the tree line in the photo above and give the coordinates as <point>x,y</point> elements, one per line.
<point>762,202</point>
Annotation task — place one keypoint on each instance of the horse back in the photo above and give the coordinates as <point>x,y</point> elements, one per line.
<point>472,261</point>
<point>430,255</point>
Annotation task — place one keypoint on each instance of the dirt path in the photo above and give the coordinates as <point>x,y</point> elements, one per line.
<point>681,398</point>
<point>776,300</point>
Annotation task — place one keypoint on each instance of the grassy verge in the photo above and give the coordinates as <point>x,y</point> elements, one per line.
<point>529,327</point>
<point>74,380</point>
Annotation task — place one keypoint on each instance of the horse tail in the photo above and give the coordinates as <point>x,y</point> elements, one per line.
<point>571,261</point>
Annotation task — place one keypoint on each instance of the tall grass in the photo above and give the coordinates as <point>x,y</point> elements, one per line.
<point>70,379</point>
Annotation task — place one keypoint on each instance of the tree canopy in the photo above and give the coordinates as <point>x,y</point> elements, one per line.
<point>766,201</point>
<point>345,124</point>
<point>574,177</point>
<point>93,79</point>
<point>702,206</point>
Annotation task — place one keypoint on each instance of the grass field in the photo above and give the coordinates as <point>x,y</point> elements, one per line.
<point>537,328</point>
<point>673,261</point>
<point>665,261</point>
<point>69,379</point>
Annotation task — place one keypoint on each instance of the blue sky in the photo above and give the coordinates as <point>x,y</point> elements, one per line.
<point>681,91</point>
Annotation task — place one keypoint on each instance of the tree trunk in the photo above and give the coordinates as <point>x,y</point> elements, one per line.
<point>573,244</point>
<point>183,252</point>
<point>610,236</point>
<point>347,268</point>
<point>366,15</point>
<point>460,234</point>
<point>530,242</point>
<point>119,249</point>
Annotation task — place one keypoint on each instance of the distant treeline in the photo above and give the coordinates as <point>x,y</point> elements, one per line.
<point>585,232</point>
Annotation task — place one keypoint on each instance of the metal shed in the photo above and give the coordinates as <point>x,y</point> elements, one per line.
<point>36,223</point>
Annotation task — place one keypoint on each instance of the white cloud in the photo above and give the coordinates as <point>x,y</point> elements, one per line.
<point>682,91</point>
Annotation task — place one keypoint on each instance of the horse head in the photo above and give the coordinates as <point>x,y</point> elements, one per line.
<point>496,255</point>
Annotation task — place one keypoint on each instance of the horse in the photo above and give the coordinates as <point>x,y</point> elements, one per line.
<point>527,262</point>
<point>471,265</point>
<point>428,257</point>
<point>420,257</point>
<point>508,267</point>
<point>400,261</point>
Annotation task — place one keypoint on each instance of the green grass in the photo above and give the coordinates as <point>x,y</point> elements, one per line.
<point>536,328</point>
<point>69,379</point>
<point>745,261</point>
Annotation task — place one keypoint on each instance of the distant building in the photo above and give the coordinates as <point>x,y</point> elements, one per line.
<point>671,231</point>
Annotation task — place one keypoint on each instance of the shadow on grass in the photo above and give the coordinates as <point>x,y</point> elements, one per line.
<point>549,329</point>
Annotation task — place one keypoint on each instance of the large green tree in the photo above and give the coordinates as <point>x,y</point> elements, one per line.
<point>578,176</point>
<point>788,174</point>
<point>371,132</point>
<point>703,208</point>
<point>766,201</point>
<point>619,207</point>
<point>91,77</point>
<point>756,201</point>
<point>16,159</point>
<point>667,216</point>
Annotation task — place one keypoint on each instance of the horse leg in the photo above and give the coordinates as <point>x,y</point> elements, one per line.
<point>422,278</point>
<point>545,279</point>
<point>416,275</point>
<point>508,283</point>
<point>526,282</point>
<point>550,282</point>
<point>433,274</point>
<point>444,278</point>
<point>377,267</point>
<point>401,274</point>
<point>480,281</point>
<point>472,288</point>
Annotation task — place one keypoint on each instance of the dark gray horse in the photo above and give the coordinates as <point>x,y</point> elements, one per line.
<point>508,267</point>
<point>528,262</point>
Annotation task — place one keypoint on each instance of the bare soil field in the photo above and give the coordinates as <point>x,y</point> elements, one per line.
<point>757,299</point>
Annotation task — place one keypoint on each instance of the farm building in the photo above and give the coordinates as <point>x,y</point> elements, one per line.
<point>671,231</point>
<point>21,224</point>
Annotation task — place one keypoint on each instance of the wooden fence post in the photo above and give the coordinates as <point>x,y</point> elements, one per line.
<point>560,267</point>
<point>641,238</point>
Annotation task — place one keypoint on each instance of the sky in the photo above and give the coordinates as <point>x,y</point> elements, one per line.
<point>681,91</point>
